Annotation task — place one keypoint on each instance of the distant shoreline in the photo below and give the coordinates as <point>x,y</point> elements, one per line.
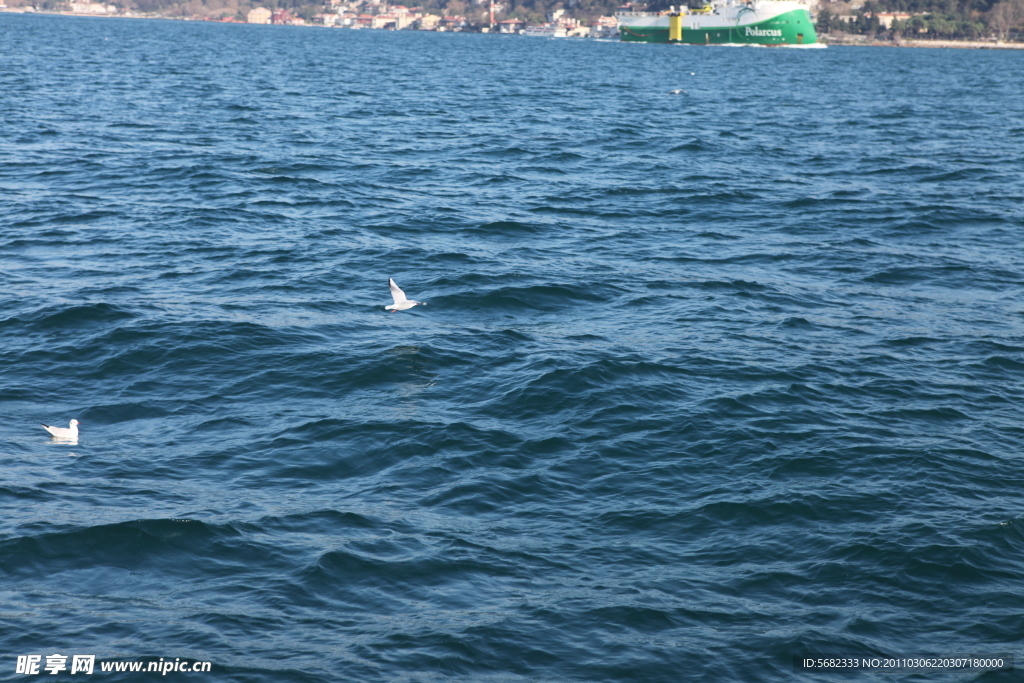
<point>826,39</point>
<point>959,44</point>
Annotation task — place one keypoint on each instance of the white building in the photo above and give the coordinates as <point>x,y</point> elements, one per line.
<point>259,15</point>
<point>92,8</point>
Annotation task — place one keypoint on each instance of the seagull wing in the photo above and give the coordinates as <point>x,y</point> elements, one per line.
<point>397,294</point>
<point>59,432</point>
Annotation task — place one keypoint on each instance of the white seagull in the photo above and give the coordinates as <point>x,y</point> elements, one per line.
<point>401,303</point>
<point>71,432</point>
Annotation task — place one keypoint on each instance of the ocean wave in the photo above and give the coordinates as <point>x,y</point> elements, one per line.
<point>734,373</point>
<point>125,545</point>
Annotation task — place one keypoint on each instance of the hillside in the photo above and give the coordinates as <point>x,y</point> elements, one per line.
<point>533,11</point>
<point>956,19</point>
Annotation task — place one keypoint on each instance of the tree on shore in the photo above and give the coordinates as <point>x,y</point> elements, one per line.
<point>825,21</point>
<point>950,19</point>
<point>1006,16</point>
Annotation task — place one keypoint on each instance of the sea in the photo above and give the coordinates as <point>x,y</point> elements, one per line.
<point>719,369</point>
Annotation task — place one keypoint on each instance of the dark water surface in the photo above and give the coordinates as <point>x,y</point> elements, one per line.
<point>704,380</point>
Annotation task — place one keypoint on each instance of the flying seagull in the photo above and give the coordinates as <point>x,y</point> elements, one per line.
<point>401,303</point>
<point>70,432</point>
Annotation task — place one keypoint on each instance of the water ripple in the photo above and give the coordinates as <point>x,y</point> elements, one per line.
<point>703,382</point>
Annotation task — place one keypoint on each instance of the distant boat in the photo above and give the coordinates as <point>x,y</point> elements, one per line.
<point>723,22</point>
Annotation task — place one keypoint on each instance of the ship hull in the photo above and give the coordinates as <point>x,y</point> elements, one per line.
<point>742,27</point>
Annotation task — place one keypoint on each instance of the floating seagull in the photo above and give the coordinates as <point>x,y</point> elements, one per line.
<point>70,432</point>
<point>680,91</point>
<point>401,303</point>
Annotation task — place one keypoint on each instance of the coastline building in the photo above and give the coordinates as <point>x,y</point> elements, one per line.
<point>327,19</point>
<point>456,23</point>
<point>406,21</point>
<point>258,15</point>
<point>92,8</point>
<point>429,22</point>
<point>605,27</point>
<point>284,17</point>
<point>886,18</point>
<point>511,26</point>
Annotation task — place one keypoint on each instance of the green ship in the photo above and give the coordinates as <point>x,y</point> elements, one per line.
<point>724,22</point>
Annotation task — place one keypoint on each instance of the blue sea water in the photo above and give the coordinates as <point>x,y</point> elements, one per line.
<point>704,381</point>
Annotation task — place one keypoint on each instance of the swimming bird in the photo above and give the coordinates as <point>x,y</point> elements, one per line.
<point>680,91</point>
<point>401,303</point>
<point>71,432</point>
